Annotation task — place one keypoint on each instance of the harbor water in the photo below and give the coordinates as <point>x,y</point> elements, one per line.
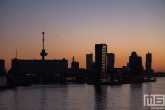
<point>80,96</point>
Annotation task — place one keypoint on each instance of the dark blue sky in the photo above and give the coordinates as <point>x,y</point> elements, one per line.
<point>124,25</point>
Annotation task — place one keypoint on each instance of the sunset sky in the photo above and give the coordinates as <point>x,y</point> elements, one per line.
<point>124,25</point>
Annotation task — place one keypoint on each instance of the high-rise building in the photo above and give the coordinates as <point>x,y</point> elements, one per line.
<point>148,64</point>
<point>74,64</point>
<point>89,61</point>
<point>128,66</point>
<point>100,62</point>
<point>135,62</point>
<point>2,66</point>
<point>111,60</point>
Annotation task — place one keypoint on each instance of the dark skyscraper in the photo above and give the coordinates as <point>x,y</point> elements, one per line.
<point>100,62</point>
<point>2,67</point>
<point>135,62</point>
<point>89,61</point>
<point>148,64</point>
<point>111,60</point>
<point>74,64</point>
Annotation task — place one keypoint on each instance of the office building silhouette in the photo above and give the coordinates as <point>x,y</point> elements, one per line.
<point>148,65</point>
<point>135,62</point>
<point>89,61</point>
<point>74,64</point>
<point>2,67</point>
<point>110,60</point>
<point>100,62</point>
<point>24,66</point>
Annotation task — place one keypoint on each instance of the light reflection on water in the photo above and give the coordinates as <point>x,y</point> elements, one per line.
<point>79,96</point>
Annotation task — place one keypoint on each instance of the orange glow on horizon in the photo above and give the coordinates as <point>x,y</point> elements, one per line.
<point>124,26</point>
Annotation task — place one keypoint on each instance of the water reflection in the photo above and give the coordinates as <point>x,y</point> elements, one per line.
<point>53,96</point>
<point>43,99</point>
<point>79,96</point>
<point>100,97</point>
<point>16,98</point>
<point>136,96</point>
<point>148,88</point>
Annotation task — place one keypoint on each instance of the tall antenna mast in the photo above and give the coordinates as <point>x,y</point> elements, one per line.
<point>16,53</point>
<point>43,53</point>
<point>43,39</point>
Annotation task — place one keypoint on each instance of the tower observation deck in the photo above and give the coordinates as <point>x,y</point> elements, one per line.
<point>43,52</point>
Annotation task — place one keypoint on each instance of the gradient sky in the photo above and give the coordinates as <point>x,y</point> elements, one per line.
<point>125,26</point>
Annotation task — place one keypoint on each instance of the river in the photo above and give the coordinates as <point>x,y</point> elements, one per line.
<point>80,96</point>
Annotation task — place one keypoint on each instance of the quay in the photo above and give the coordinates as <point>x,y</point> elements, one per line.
<point>89,82</point>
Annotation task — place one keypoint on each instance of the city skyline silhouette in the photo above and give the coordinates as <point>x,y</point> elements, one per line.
<point>124,26</point>
<point>82,54</point>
